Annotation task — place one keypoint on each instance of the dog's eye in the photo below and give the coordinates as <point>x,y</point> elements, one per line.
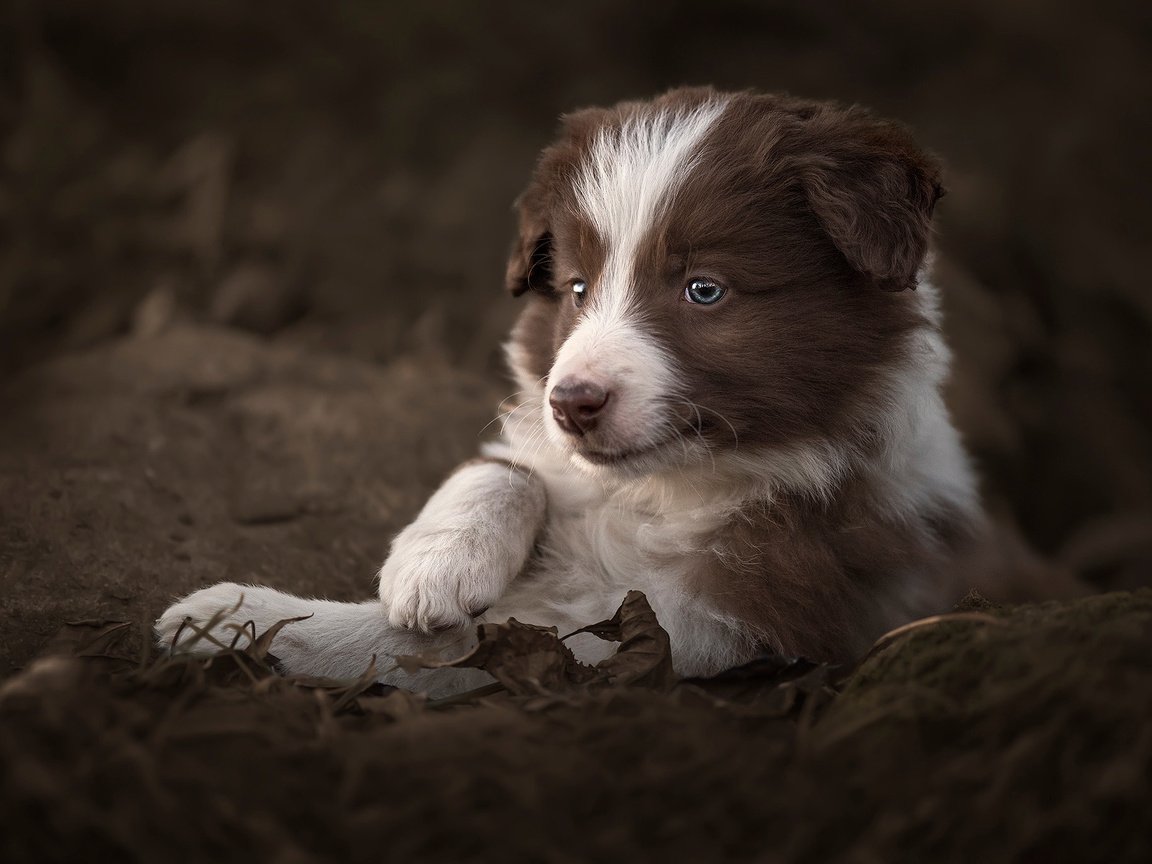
<point>703,291</point>
<point>579,291</point>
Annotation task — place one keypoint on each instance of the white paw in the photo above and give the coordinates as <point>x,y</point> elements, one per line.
<point>441,578</point>
<point>225,606</point>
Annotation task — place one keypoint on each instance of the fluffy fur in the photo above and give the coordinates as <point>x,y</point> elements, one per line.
<point>775,470</point>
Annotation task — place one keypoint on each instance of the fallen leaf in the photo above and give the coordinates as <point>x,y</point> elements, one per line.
<point>645,654</point>
<point>526,659</point>
<point>531,661</point>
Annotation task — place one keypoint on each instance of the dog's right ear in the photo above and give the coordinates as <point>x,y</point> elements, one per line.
<point>530,261</point>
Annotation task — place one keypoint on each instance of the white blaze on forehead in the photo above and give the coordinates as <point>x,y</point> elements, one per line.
<point>627,180</point>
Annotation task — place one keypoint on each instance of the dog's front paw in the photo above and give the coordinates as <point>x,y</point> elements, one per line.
<point>206,619</point>
<point>441,579</point>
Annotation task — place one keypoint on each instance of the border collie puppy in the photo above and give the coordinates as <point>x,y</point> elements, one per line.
<point>730,365</point>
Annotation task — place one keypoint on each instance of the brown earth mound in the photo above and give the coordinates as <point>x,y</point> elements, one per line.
<point>987,736</point>
<point>136,473</point>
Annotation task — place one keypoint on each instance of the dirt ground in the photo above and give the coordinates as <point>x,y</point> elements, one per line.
<point>990,737</point>
<point>250,310</point>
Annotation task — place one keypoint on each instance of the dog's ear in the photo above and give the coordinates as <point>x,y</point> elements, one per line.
<point>873,191</point>
<point>530,261</point>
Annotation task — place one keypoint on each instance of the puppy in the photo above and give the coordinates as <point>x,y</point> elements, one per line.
<point>729,361</point>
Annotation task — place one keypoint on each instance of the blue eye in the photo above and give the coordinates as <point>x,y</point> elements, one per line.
<point>579,291</point>
<point>704,291</point>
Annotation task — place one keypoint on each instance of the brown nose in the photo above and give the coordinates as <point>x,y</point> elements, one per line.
<point>577,404</point>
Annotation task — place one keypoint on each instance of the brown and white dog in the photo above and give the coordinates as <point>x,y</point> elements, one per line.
<point>730,364</point>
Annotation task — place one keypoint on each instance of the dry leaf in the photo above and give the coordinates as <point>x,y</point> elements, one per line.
<point>645,654</point>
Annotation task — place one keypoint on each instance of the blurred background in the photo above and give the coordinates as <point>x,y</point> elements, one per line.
<point>338,177</point>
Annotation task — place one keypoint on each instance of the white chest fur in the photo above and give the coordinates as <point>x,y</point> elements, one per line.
<point>601,540</point>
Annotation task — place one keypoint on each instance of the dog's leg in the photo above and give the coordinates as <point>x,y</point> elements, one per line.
<point>469,542</point>
<point>338,640</point>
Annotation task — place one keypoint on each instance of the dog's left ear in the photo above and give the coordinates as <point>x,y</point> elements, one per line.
<point>873,190</point>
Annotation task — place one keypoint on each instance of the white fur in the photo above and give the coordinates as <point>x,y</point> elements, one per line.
<point>468,543</point>
<point>923,459</point>
<point>336,640</point>
<point>608,533</point>
<point>627,182</point>
<point>616,354</point>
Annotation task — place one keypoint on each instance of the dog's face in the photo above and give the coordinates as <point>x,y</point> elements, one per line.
<point>709,272</point>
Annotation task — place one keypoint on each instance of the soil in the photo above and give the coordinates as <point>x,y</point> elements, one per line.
<point>140,471</point>
<point>990,736</point>
<point>250,315</point>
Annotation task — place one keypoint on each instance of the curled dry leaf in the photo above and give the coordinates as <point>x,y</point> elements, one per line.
<point>645,654</point>
<point>525,659</point>
<point>529,660</point>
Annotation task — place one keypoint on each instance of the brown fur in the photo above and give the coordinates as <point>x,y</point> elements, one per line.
<point>798,211</point>
<point>815,217</point>
<point>816,577</point>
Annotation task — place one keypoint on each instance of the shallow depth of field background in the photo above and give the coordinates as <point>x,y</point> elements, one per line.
<point>337,177</point>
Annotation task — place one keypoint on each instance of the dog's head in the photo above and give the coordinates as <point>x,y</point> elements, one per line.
<point>710,271</point>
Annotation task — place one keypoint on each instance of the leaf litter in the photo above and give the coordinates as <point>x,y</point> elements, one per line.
<point>960,738</point>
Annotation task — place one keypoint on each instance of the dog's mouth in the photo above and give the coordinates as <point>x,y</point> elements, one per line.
<point>605,448</point>
<point>641,458</point>
<point>617,457</point>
